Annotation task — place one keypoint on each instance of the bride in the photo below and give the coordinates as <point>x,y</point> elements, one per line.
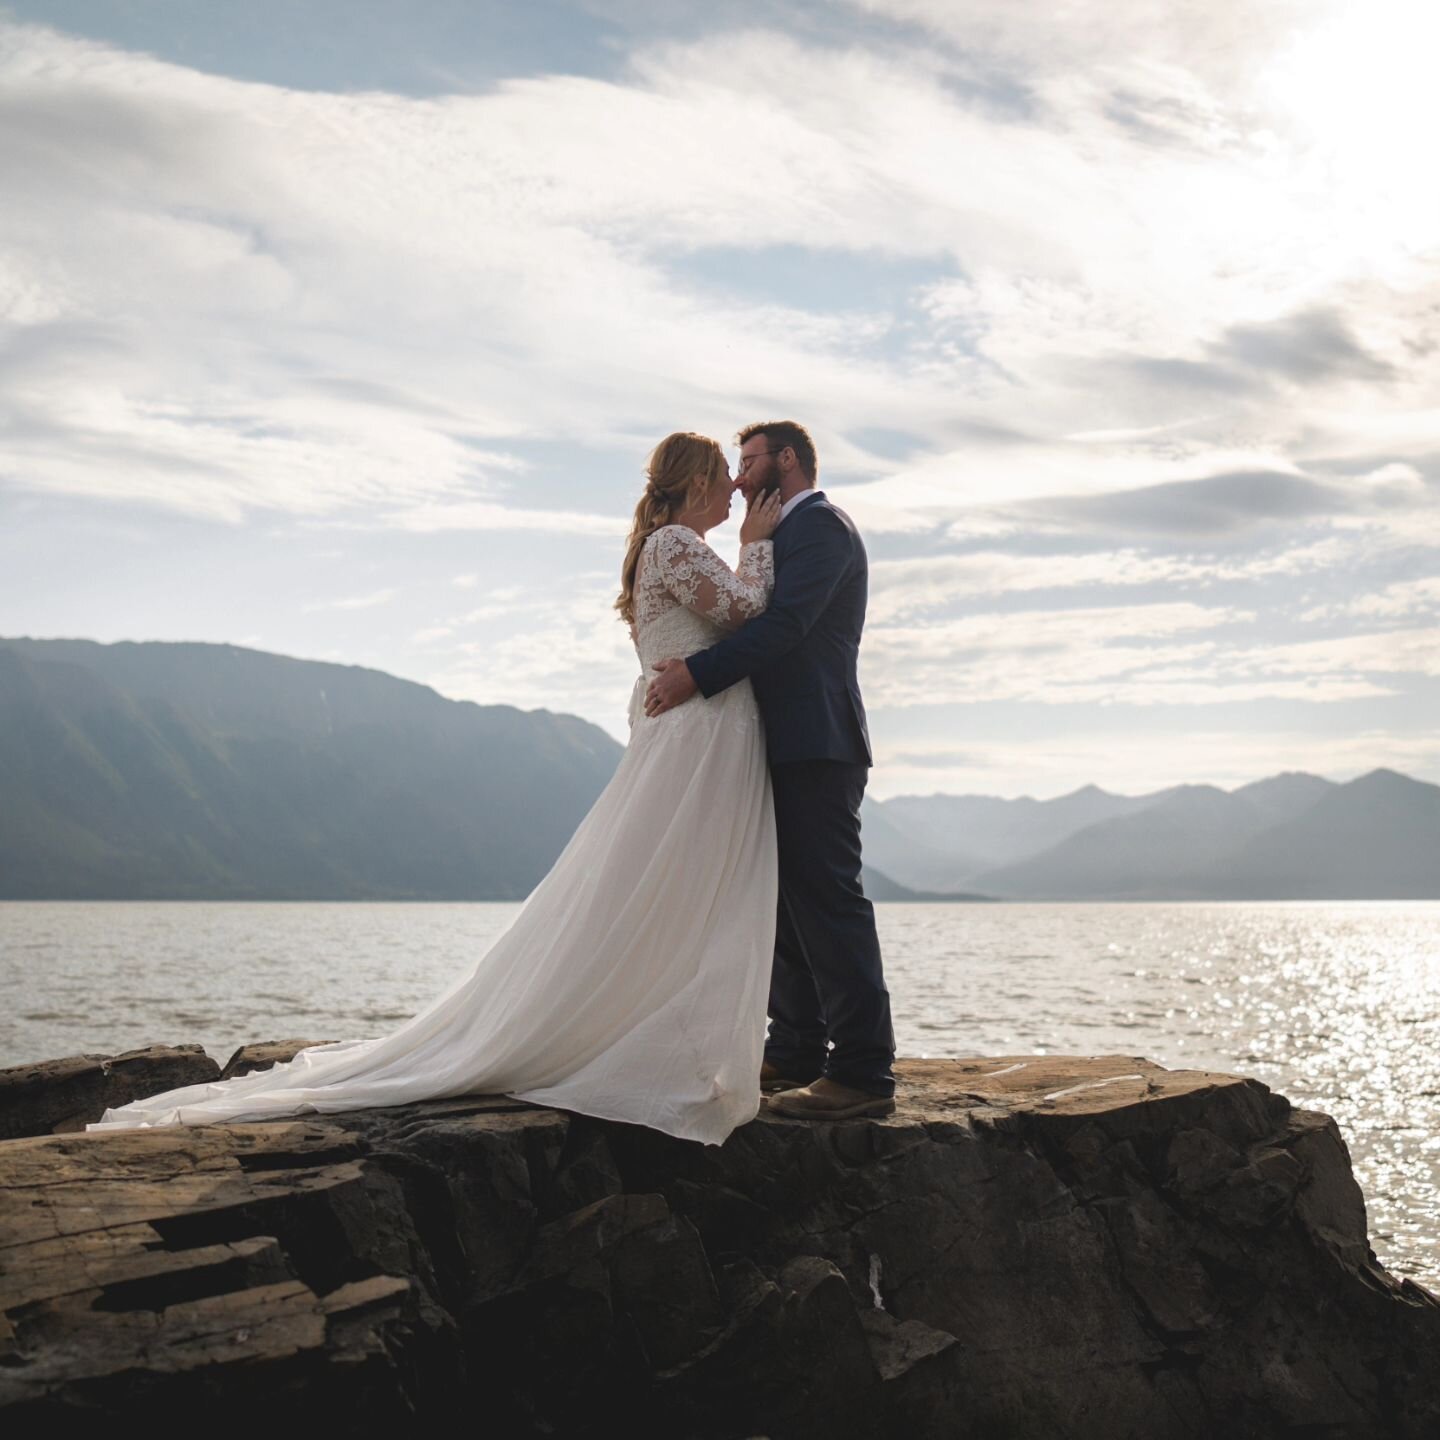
<point>633,983</point>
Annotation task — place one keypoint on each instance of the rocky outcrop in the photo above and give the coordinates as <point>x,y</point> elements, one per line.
<point>56,1096</point>
<point>261,1055</point>
<point>1030,1246</point>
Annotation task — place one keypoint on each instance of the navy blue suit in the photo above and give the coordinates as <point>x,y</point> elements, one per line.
<point>829,1008</point>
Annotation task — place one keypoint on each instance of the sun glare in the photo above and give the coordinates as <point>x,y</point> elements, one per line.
<point>1357,94</point>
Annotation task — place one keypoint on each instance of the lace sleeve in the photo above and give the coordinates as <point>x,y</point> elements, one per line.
<point>701,581</point>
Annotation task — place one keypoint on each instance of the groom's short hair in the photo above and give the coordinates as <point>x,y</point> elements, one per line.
<point>781,433</point>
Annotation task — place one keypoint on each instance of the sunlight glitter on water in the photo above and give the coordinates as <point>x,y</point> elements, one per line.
<point>1336,1006</point>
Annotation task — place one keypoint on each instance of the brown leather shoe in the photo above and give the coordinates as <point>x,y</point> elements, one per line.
<point>773,1080</point>
<point>825,1099</point>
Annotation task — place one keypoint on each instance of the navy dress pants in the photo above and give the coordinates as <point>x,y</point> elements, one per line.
<point>829,1008</point>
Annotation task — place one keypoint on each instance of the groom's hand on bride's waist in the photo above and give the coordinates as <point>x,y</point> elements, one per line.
<point>673,685</point>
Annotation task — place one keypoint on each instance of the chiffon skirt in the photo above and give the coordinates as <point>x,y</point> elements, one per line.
<point>631,986</point>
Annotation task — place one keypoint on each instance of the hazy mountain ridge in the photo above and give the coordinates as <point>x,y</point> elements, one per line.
<point>958,837</point>
<point>190,771</point>
<point>1291,836</point>
<point>157,770</point>
<point>1377,838</point>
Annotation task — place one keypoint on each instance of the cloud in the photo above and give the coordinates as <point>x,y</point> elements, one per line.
<point>1397,483</point>
<point>1209,42</point>
<point>492,516</point>
<point>1074,303</point>
<point>937,759</point>
<point>1162,492</point>
<point>1314,344</point>
<point>1401,599</point>
<point>1031,477</point>
<point>1045,656</point>
<point>574,656</point>
<point>259,300</point>
<point>356,602</point>
<point>1134,656</point>
<point>1215,506</point>
<point>901,588</point>
<point>1414,651</point>
<point>1129,760</point>
<point>247,322</point>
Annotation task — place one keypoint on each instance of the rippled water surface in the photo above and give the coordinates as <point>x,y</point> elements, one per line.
<point>1336,1006</point>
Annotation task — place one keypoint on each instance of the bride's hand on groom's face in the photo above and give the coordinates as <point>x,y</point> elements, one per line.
<point>673,685</point>
<point>761,518</point>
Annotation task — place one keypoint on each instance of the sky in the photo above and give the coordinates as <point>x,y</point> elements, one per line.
<point>344,330</point>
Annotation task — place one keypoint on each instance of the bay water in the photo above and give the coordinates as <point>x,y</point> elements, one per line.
<point>1335,1005</point>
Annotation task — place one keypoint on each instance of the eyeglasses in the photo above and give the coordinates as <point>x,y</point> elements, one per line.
<point>745,460</point>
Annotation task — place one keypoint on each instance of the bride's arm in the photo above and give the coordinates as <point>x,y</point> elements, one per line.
<point>701,581</point>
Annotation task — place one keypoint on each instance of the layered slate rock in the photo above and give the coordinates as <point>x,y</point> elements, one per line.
<point>264,1055</point>
<point>55,1096</point>
<point>1029,1247</point>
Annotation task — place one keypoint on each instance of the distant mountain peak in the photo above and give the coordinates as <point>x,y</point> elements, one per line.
<point>1384,776</point>
<point>1286,780</point>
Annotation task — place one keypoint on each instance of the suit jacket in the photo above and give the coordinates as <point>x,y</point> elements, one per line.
<point>801,653</point>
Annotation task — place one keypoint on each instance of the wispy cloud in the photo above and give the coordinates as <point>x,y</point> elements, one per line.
<point>902,588</point>
<point>1115,328</point>
<point>1401,599</point>
<point>537,226</point>
<point>1129,760</point>
<point>490,516</point>
<point>1127,656</point>
<point>573,648</point>
<point>355,602</point>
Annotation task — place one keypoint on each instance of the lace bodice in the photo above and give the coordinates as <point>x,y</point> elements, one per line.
<point>687,597</point>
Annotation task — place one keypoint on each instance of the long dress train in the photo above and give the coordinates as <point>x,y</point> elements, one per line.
<point>633,983</point>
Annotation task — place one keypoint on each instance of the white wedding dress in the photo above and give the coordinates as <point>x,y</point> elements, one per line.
<point>633,983</point>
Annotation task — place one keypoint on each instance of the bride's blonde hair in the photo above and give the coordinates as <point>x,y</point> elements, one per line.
<point>680,472</point>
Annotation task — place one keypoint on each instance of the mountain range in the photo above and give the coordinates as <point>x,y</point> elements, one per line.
<point>1291,837</point>
<point>187,771</point>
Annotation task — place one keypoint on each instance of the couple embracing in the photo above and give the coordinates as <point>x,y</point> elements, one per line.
<point>716,878</point>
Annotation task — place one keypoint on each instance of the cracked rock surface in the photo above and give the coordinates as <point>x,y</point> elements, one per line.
<point>56,1096</point>
<point>1030,1246</point>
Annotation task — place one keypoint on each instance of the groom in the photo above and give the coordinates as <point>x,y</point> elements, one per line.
<point>829,1052</point>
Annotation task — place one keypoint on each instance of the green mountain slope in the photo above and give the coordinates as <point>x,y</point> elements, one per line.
<point>190,771</point>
